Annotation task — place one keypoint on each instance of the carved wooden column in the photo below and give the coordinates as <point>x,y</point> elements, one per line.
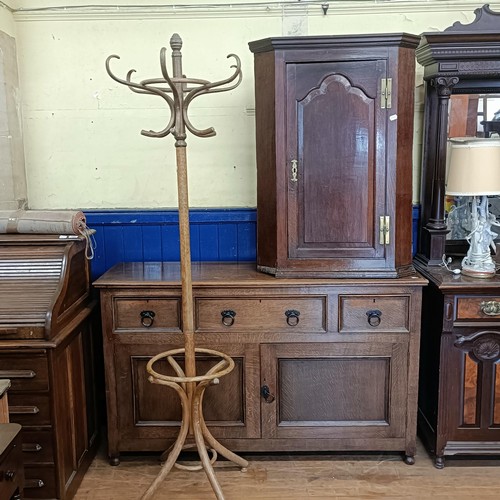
<point>434,228</point>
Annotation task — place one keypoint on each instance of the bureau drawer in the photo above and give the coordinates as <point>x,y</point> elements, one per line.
<point>29,409</point>
<point>26,371</point>
<point>478,308</point>
<point>37,447</point>
<point>40,482</point>
<point>146,314</point>
<point>366,313</point>
<point>291,314</point>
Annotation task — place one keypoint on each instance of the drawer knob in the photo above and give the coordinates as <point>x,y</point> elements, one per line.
<point>147,318</point>
<point>292,317</point>
<point>266,394</point>
<point>228,317</point>
<point>490,307</point>
<point>10,475</point>
<point>374,317</point>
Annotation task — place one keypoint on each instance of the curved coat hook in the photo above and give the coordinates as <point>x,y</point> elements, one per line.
<point>182,91</point>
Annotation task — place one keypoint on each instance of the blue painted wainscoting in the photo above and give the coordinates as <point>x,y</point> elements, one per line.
<point>153,235</point>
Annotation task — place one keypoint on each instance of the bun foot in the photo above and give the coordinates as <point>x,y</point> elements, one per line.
<point>439,463</point>
<point>409,459</point>
<point>114,460</point>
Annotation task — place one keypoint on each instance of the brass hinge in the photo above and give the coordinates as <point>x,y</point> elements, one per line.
<point>384,230</point>
<point>294,170</point>
<point>386,93</point>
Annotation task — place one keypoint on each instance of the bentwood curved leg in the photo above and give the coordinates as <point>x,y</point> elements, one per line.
<point>179,442</point>
<point>200,443</point>
<point>191,390</point>
<point>218,447</point>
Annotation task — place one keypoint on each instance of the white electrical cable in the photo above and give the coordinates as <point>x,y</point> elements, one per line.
<point>446,262</point>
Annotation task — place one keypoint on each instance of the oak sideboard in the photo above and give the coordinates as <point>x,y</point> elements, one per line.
<point>321,364</point>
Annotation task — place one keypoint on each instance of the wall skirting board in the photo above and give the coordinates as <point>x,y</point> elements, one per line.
<point>223,234</point>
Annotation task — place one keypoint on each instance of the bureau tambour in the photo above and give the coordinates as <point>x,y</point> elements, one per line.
<point>47,328</point>
<point>321,364</point>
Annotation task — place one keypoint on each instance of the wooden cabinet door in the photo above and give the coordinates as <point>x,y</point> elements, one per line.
<point>341,390</point>
<point>146,410</point>
<point>336,172</point>
<point>470,401</point>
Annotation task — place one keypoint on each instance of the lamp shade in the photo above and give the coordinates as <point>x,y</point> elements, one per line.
<point>473,166</point>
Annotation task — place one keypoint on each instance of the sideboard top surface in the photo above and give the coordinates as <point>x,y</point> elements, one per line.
<point>458,283</point>
<point>159,274</point>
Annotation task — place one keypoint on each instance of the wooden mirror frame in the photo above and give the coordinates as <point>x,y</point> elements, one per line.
<point>462,59</point>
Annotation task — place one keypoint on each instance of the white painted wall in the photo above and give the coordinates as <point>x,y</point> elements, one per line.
<point>7,24</point>
<point>13,190</point>
<point>83,146</point>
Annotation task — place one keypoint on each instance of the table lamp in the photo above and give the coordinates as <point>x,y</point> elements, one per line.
<point>474,171</point>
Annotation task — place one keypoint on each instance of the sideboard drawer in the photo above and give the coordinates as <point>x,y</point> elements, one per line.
<point>27,372</point>
<point>291,314</point>
<point>146,314</point>
<point>478,308</point>
<point>366,313</point>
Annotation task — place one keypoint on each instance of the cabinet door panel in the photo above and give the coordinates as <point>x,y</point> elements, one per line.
<point>69,389</point>
<point>473,381</point>
<point>335,390</point>
<point>335,123</point>
<point>150,410</point>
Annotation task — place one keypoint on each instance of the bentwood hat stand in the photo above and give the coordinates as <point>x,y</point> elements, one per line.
<point>189,386</point>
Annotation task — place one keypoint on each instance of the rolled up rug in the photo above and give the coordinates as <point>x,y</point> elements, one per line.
<point>43,222</point>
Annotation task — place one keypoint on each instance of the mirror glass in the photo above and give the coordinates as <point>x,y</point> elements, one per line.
<point>470,115</point>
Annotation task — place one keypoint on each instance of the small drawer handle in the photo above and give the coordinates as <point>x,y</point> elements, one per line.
<point>31,447</point>
<point>24,410</point>
<point>33,483</point>
<point>228,317</point>
<point>490,307</point>
<point>374,317</point>
<point>292,317</point>
<point>17,374</point>
<point>147,318</point>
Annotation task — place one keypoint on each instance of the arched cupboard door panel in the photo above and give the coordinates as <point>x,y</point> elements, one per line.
<point>334,161</point>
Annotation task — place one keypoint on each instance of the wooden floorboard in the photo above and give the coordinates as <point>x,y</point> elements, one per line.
<point>299,477</point>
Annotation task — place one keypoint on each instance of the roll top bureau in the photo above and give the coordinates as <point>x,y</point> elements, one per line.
<point>47,338</point>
